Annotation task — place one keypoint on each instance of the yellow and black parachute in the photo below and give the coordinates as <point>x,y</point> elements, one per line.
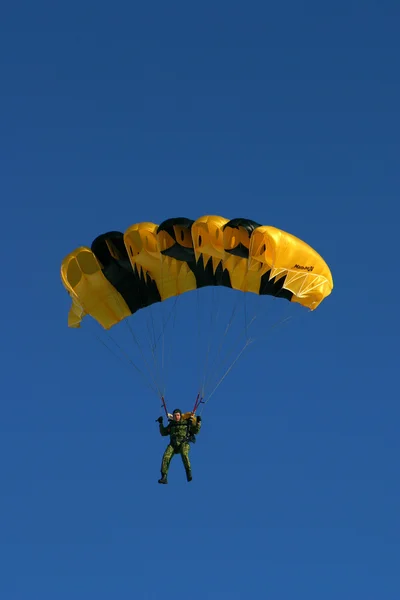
<point>124,272</point>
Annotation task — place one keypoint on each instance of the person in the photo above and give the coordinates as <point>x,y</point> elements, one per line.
<point>181,431</point>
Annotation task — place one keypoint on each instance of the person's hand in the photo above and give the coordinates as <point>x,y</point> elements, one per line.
<point>159,420</point>
<point>199,419</point>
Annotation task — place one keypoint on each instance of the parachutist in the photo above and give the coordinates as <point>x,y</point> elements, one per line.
<point>181,431</point>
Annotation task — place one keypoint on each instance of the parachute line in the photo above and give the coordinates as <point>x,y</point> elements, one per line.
<point>208,377</point>
<point>210,334</point>
<point>229,352</point>
<point>220,357</point>
<point>143,357</point>
<point>152,335</point>
<point>248,342</point>
<point>128,358</point>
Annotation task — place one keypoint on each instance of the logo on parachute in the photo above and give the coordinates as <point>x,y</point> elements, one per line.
<point>302,267</point>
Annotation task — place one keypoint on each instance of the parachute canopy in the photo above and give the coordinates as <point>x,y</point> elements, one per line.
<point>123,272</point>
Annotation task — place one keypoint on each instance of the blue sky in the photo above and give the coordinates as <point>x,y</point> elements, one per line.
<point>286,113</point>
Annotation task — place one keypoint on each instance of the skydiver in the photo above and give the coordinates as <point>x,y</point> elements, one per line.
<point>181,431</point>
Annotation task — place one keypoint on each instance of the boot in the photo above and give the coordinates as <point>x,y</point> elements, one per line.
<point>163,478</point>
<point>189,475</point>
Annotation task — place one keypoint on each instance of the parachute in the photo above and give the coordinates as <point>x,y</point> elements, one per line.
<point>123,273</point>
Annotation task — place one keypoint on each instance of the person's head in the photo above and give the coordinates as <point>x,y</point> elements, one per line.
<point>177,414</point>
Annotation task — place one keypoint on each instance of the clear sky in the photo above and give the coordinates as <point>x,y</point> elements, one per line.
<point>283,112</point>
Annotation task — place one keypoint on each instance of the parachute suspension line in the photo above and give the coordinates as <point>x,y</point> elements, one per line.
<point>143,356</point>
<point>248,342</point>
<point>219,359</point>
<point>161,336</point>
<point>155,346</point>
<point>159,366</point>
<point>152,378</point>
<point>283,318</point>
<point>165,323</point>
<point>273,326</point>
<point>150,328</point>
<point>163,326</point>
<point>167,346</point>
<point>128,358</point>
<point>200,329</point>
<point>162,350</point>
<point>218,354</point>
<point>152,344</point>
<point>256,338</point>
<point>198,345</point>
<point>210,334</point>
<point>230,351</point>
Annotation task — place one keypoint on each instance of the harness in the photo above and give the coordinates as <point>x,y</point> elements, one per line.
<point>189,437</point>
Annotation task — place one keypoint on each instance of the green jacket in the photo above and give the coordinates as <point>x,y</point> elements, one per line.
<point>179,430</point>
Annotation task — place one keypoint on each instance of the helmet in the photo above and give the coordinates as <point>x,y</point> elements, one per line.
<point>177,410</point>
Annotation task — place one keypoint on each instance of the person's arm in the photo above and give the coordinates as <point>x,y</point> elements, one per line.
<point>195,427</point>
<point>164,431</point>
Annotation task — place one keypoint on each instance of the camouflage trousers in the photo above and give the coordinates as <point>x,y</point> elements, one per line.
<point>170,451</point>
